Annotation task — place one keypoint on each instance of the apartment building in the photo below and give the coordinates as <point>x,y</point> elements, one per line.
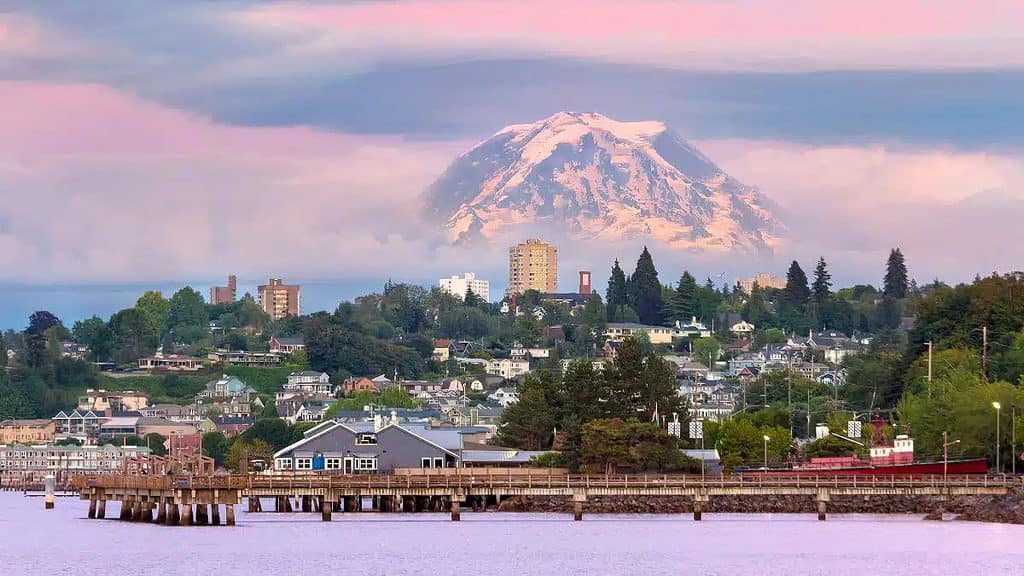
<point>224,294</point>
<point>457,286</point>
<point>764,280</point>
<point>533,265</point>
<point>278,299</point>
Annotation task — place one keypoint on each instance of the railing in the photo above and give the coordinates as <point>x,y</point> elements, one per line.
<point>473,479</point>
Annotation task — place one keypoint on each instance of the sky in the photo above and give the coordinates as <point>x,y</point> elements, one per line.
<point>182,140</point>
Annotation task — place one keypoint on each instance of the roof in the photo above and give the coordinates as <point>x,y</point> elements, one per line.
<point>502,456</point>
<point>289,341</point>
<point>120,422</point>
<point>35,423</point>
<point>705,455</point>
<point>306,373</point>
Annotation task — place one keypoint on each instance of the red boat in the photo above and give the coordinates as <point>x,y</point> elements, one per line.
<point>885,460</point>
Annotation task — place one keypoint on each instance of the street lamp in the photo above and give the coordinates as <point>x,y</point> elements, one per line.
<point>945,455</point>
<point>766,440</point>
<point>998,408</point>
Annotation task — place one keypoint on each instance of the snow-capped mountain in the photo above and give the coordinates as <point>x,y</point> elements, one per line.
<point>600,179</point>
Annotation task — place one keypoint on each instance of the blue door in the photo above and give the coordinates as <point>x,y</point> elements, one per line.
<point>318,462</point>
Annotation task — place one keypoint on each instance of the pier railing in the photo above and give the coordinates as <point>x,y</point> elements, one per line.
<point>480,479</point>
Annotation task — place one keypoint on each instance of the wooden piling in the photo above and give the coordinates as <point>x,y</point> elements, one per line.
<point>456,515</point>
<point>215,514</point>
<point>822,506</point>
<point>186,514</point>
<point>229,512</point>
<point>161,510</point>
<point>577,510</point>
<point>92,507</point>
<point>202,515</point>
<point>101,511</point>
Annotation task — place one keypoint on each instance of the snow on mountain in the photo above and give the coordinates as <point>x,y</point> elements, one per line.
<point>600,179</point>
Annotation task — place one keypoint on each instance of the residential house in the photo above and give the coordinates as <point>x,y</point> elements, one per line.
<point>282,345</point>
<point>619,331</point>
<point>742,329</point>
<point>442,351</point>
<point>161,362</point>
<point>303,407</point>
<point>833,377</point>
<point>713,412</point>
<point>691,329</point>
<point>744,361</point>
<point>381,382</point>
<point>231,426</point>
<point>119,427</point>
<point>228,387</point>
<point>35,431</point>
<point>162,426</point>
<point>73,350</point>
<point>309,381</point>
<point>597,364</point>
<point>507,368</point>
<point>244,358</point>
<point>503,397</point>
<point>352,385</point>
<point>101,401</point>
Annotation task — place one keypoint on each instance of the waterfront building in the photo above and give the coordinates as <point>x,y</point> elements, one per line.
<point>38,460</point>
<point>35,431</point>
<point>533,265</point>
<point>278,299</point>
<point>82,426</point>
<point>224,294</point>
<point>458,287</point>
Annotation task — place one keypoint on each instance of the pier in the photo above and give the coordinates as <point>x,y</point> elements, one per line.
<point>197,500</point>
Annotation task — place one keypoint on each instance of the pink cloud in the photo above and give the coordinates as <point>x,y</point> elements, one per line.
<point>845,33</point>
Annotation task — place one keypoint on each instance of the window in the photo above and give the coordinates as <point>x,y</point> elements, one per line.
<point>366,439</point>
<point>283,464</point>
<point>424,462</point>
<point>303,463</point>
<point>366,463</point>
<point>438,462</point>
<point>333,464</point>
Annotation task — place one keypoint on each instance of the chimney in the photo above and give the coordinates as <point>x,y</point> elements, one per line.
<point>585,288</point>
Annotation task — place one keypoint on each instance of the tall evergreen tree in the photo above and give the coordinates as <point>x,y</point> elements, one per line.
<point>895,275</point>
<point>615,297</point>
<point>822,286</point>
<point>684,303</point>
<point>796,293</point>
<point>645,290</point>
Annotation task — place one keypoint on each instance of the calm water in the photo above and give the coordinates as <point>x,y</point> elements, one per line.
<point>62,541</point>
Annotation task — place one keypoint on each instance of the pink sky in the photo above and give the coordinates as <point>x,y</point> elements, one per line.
<point>709,34</point>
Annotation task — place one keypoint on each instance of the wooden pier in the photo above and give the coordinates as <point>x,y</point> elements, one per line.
<point>197,500</point>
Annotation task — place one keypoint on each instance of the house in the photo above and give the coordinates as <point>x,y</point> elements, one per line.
<point>119,427</point>
<point>833,377</point>
<point>442,351</point>
<point>619,331</point>
<point>103,401</point>
<point>742,329</point>
<point>282,345</point>
<point>243,358</point>
<point>354,449</point>
<point>713,412</point>
<point>744,361</point>
<point>228,387</point>
<point>309,381</point>
<point>73,350</point>
<point>504,397</point>
<point>507,368</point>
<point>381,382</point>
<point>231,426</point>
<point>170,363</point>
<point>596,364</point>
<point>162,426</point>
<point>692,329</point>
<point>303,407</point>
<point>352,385</point>
<point>36,431</point>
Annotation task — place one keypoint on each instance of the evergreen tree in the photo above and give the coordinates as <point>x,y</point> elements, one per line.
<point>895,275</point>
<point>615,297</point>
<point>3,352</point>
<point>684,302</point>
<point>645,290</point>
<point>822,282</point>
<point>585,391</point>
<point>796,293</point>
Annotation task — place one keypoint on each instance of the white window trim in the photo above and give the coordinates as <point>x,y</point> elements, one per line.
<point>439,462</point>
<point>425,463</point>
<point>303,463</point>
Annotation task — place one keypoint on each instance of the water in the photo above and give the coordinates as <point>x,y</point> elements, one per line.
<point>34,541</point>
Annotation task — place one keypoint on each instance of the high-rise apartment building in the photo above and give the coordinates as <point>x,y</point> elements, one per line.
<point>459,286</point>
<point>763,280</point>
<point>533,265</point>
<point>278,299</point>
<point>224,294</point>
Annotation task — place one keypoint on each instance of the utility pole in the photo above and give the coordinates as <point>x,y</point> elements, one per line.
<point>808,412</point>
<point>984,352</point>
<point>929,368</point>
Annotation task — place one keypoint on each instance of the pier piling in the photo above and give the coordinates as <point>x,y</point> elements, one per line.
<point>215,514</point>
<point>456,514</point>
<point>101,512</point>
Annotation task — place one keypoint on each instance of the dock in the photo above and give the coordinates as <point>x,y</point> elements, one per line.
<point>198,500</point>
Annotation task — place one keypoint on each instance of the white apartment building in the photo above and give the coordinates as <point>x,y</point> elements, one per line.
<point>459,286</point>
